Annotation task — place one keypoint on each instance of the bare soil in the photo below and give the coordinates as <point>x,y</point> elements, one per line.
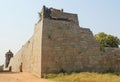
<point>20,77</point>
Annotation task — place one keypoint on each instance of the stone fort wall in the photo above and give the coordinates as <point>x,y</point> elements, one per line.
<point>30,54</point>
<point>59,44</point>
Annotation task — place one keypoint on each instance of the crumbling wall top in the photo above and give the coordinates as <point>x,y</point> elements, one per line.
<point>56,14</point>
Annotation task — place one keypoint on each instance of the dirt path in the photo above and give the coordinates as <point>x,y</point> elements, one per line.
<point>20,77</point>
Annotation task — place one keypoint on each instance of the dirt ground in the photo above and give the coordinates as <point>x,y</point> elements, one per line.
<point>19,77</point>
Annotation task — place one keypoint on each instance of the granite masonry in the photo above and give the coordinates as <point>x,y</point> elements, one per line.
<point>59,44</point>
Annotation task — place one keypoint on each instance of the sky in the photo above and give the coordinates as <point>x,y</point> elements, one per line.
<point>18,18</point>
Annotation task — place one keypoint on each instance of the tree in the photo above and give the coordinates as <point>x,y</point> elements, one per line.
<point>107,40</point>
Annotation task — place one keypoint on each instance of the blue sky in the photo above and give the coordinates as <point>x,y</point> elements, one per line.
<point>18,17</point>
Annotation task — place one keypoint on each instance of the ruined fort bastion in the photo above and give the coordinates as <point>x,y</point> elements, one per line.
<point>59,44</point>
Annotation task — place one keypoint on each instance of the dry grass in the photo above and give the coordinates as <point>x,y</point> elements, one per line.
<point>85,77</point>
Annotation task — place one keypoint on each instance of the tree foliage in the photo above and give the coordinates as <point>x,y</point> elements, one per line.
<point>107,40</point>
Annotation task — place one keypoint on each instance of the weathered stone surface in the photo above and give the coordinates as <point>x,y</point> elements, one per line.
<point>59,44</point>
<point>30,54</point>
<point>110,59</point>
